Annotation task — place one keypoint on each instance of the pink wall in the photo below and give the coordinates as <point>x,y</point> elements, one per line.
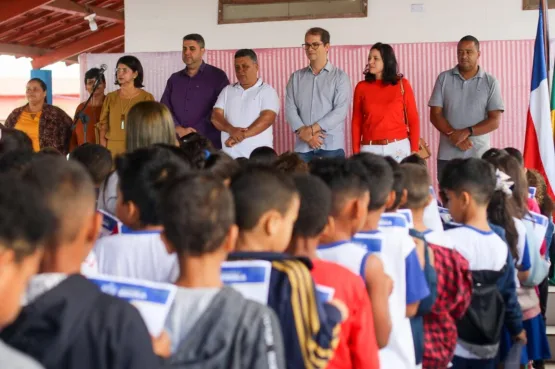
<point>509,61</point>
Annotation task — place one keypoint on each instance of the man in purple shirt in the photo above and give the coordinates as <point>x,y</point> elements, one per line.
<point>191,93</point>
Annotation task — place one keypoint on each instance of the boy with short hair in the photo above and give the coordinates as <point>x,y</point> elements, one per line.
<point>67,322</point>
<point>357,343</point>
<point>266,208</point>
<point>24,224</point>
<point>398,256</point>
<point>138,252</point>
<point>350,198</point>
<point>454,280</point>
<point>97,159</point>
<point>198,216</point>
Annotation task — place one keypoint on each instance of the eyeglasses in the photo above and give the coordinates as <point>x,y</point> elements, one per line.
<point>123,70</point>
<point>313,46</point>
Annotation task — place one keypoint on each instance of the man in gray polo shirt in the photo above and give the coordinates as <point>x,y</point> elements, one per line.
<point>465,106</point>
<point>317,101</point>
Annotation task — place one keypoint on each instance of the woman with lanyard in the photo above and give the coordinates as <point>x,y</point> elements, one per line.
<point>385,119</point>
<point>112,124</point>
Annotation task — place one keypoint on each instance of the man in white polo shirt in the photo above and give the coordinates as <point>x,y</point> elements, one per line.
<point>245,111</point>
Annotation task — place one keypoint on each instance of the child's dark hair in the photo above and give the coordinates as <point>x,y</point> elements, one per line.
<point>68,191</point>
<point>263,155</point>
<point>418,187</point>
<point>222,166</point>
<point>515,153</point>
<point>535,179</point>
<point>398,183</point>
<point>477,177</point>
<point>378,178</point>
<point>506,163</point>
<point>197,212</point>
<point>344,177</point>
<point>13,139</point>
<point>142,174</point>
<point>257,190</point>
<point>414,159</point>
<point>15,162</point>
<point>316,201</point>
<point>197,148</point>
<point>96,158</point>
<point>25,220</point>
<point>291,162</point>
<point>50,151</point>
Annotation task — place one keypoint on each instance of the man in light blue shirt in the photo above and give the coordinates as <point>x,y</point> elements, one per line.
<point>317,101</point>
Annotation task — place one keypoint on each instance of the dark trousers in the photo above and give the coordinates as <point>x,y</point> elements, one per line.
<point>461,363</point>
<point>308,156</point>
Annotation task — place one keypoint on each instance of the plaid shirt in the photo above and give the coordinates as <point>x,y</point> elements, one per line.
<point>454,289</point>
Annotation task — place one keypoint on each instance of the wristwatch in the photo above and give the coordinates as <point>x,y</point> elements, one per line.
<point>471,130</point>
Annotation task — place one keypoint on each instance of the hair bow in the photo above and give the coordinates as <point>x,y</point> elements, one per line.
<point>503,183</point>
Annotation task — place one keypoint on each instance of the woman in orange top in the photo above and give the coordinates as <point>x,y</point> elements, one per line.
<point>92,112</point>
<point>45,124</point>
<point>379,125</point>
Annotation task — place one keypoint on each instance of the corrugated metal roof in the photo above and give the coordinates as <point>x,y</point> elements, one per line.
<point>55,30</point>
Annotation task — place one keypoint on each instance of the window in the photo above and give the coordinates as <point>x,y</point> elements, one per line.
<point>244,11</point>
<point>534,4</point>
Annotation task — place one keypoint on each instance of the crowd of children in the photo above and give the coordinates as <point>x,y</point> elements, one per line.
<point>365,267</point>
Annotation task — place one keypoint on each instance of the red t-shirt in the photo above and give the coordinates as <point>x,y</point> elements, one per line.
<point>357,346</point>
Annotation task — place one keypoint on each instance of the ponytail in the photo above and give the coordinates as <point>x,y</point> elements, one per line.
<point>500,212</point>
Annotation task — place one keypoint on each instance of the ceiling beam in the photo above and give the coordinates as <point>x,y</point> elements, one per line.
<point>87,43</point>
<point>11,9</point>
<point>20,50</point>
<point>70,7</point>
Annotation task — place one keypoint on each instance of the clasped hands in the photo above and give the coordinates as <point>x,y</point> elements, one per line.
<point>314,137</point>
<point>236,135</point>
<point>460,138</point>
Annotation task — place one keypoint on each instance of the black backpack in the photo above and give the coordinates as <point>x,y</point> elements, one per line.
<point>483,321</point>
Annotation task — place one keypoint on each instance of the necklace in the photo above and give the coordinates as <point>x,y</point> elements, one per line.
<point>124,111</point>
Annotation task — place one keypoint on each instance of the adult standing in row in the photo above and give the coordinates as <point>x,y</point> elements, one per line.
<point>465,107</point>
<point>385,118</point>
<point>112,124</point>
<point>317,101</point>
<point>246,110</point>
<point>191,93</point>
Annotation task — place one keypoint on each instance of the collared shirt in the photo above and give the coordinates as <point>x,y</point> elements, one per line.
<point>465,103</point>
<point>324,99</point>
<point>241,108</point>
<point>190,99</point>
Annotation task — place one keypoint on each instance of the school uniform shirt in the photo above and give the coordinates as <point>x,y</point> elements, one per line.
<point>484,250</point>
<point>432,218</point>
<point>523,263</point>
<point>439,238</point>
<point>136,254</point>
<point>90,266</point>
<point>357,341</point>
<point>399,352</point>
<point>241,108</point>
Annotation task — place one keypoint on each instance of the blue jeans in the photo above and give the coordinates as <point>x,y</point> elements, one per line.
<point>308,156</point>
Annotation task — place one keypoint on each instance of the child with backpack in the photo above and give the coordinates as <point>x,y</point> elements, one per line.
<point>469,186</point>
<point>210,325</point>
<point>453,283</point>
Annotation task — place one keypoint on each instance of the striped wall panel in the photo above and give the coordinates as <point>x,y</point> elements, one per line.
<point>509,61</point>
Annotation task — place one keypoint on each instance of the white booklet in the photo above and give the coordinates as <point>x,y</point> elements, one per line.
<point>153,300</point>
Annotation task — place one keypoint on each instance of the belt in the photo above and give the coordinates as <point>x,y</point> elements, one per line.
<point>381,142</point>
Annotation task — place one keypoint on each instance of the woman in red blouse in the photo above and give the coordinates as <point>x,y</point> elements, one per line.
<point>379,124</point>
